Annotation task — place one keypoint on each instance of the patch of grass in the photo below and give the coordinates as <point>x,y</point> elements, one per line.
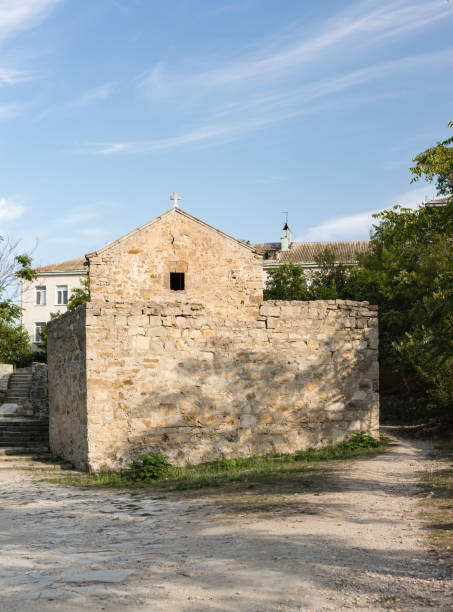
<point>437,500</point>
<point>247,472</point>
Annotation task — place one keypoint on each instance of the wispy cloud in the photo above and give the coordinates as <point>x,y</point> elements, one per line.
<point>77,104</point>
<point>7,111</point>
<point>10,209</point>
<point>11,76</point>
<point>358,226</point>
<point>198,135</point>
<point>97,94</point>
<point>15,17</point>
<point>258,110</point>
<point>19,15</point>
<point>274,81</point>
<point>357,26</point>
<point>349,227</point>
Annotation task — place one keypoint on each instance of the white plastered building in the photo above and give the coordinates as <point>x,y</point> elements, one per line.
<point>48,293</point>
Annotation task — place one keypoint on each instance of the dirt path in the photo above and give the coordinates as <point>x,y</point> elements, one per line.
<point>355,545</point>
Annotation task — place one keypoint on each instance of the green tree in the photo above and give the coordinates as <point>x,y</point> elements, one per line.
<point>286,283</point>
<point>436,164</point>
<point>408,273</point>
<point>332,280</point>
<point>14,344</point>
<point>80,296</point>
<point>14,340</point>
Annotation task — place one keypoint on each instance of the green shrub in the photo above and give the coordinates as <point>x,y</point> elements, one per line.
<point>148,467</point>
<point>361,440</point>
<point>359,443</point>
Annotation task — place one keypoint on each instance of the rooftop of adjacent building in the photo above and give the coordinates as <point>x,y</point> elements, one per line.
<point>275,253</point>
<point>68,266</point>
<point>298,252</point>
<point>308,252</point>
<point>437,202</point>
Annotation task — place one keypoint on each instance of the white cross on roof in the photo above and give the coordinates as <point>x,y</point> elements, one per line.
<point>175,197</point>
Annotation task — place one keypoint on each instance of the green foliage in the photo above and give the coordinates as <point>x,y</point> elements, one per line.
<point>357,444</point>
<point>255,470</point>
<point>408,273</point>
<point>436,163</point>
<point>43,345</point>
<point>9,312</point>
<point>361,440</point>
<point>286,283</point>
<point>14,344</point>
<point>25,271</point>
<point>80,296</point>
<point>331,280</point>
<point>14,340</point>
<point>148,467</point>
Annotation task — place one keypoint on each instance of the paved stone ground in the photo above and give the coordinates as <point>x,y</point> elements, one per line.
<point>357,547</point>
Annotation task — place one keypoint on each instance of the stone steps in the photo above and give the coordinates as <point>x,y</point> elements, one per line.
<point>23,431</point>
<point>24,457</point>
<point>35,466</point>
<point>11,451</point>
<point>33,458</point>
<point>19,386</point>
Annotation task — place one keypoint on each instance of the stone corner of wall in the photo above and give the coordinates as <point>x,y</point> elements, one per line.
<point>66,317</point>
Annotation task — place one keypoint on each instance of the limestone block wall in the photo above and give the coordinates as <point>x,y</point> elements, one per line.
<point>6,369</point>
<point>66,342</point>
<point>39,391</point>
<point>220,272</point>
<point>175,379</point>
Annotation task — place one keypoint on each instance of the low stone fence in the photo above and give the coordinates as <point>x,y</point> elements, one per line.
<point>130,378</point>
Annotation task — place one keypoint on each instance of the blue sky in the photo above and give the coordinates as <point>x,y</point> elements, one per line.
<point>247,108</point>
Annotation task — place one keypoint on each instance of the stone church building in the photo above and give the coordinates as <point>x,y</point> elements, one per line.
<point>176,352</point>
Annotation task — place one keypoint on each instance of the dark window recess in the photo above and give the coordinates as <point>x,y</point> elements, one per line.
<point>177,281</point>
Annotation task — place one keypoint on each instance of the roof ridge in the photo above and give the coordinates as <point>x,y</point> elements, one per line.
<point>55,266</point>
<point>174,210</point>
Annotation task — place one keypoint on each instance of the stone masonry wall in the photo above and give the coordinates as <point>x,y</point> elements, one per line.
<point>66,342</point>
<point>6,370</point>
<point>174,379</point>
<point>39,391</point>
<point>223,274</point>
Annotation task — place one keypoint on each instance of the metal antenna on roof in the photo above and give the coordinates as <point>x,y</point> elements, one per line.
<point>285,212</point>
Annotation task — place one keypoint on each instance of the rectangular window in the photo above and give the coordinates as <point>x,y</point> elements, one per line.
<point>62,295</point>
<point>41,295</point>
<point>177,281</point>
<point>38,332</point>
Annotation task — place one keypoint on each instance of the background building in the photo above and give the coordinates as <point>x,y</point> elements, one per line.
<point>48,293</point>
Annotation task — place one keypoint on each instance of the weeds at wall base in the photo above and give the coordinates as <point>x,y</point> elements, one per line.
<point>153,471</point>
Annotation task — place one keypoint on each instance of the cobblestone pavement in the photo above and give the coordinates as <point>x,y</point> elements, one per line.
<point>357,547</point>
